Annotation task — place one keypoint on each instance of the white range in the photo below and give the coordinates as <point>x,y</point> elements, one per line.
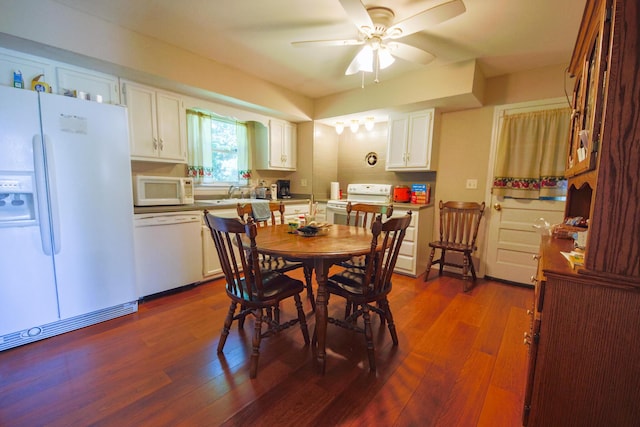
<point>358,193</point>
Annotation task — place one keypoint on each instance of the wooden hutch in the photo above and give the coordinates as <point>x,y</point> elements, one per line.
<point>584,361</point>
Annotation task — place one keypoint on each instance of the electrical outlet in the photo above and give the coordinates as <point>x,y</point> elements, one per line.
<point>472,184</point>
<point>303,182</point>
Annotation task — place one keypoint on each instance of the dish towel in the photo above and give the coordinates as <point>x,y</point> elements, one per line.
<point>261,211</point>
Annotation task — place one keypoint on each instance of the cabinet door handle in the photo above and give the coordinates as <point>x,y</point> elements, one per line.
<point>161,144</point>
<point>497,206</point>
<point>155,144</point>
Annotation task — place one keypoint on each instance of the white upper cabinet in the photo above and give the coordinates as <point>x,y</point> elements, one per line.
<point>157,123</point>
<point>30,67</point>
<point>88,84</point>
<point>278,152</point>
<point>410,141</point>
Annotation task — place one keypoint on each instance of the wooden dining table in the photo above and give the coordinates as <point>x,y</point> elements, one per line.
<point>335,244</point>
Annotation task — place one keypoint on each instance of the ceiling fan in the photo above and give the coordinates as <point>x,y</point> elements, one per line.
<point>378,34</point>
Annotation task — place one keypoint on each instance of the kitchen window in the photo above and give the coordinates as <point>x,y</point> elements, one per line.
<point>218,149</point>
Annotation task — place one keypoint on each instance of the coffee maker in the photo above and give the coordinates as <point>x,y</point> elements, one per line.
<point>284,188</point>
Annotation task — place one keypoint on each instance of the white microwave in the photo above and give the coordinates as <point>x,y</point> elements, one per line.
<point>162,190</point>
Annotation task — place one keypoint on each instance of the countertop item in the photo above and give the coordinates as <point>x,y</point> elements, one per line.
<point>402,194</point>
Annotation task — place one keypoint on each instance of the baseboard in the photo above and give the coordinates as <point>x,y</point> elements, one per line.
<point>59,327</point>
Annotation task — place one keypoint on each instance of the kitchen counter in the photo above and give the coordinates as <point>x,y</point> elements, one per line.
<point>410,206</point>
<point>208,205</point>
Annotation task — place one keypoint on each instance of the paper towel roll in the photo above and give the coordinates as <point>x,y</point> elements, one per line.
<point>335,190</point>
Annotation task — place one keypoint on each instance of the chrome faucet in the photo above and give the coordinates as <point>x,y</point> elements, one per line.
<point>231,190</point>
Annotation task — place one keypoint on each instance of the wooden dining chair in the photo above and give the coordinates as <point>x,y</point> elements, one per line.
<point>363,288</point>
<point>363,216</point>
<point>257,290</point>
<point>268,262</point>
<point>364,212</point>
<point>459,224</point>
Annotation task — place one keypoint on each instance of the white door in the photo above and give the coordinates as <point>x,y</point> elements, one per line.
<point>27,283</point>
<point>276,141</point>
<point>171,126</point>
<point>419,143</point>
<point>396,151</point>
<point>141,105</point>
<point>89,172</point>
<point>512,240</point>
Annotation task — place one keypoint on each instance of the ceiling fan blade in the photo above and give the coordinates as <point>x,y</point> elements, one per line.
<point>357,13</point>
<point>352,42</point>
<point>427,18</point>
<point>410,53</point>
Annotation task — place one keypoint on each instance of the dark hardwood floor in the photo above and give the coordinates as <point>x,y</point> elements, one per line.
<point>461,362</point>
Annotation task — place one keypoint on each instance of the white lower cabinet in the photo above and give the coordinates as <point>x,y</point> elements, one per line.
<point>211,267</point>
<point>414,252</point>
<point>293,211</point>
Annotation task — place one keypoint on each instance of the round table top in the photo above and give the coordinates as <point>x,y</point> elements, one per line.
<point>336,242</point>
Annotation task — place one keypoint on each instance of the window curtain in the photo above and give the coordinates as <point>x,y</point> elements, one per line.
<point>201,160</point>
<point>242,138</point>
<point>532,150</point>
<point>199,157</point>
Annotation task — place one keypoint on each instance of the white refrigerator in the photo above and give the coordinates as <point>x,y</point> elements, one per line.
<point>66,215</point>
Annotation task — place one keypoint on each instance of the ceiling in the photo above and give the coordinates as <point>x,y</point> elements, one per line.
<point>255,35</point>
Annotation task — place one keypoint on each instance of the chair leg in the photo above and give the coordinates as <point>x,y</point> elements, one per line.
<point>347,309</point>
<point>473,270</point>
<point>276,314</point>
<point>429,264</point>
<point>302,318</point>
<point>308,278</point>
<point>368,335</point>
<point>257,336</point>
<point>384,304</point>
<point>227,326</point>
<point>441,261</point>
<point>241,319</point>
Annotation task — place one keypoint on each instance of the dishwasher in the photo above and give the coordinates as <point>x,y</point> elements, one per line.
<point>168,251</point>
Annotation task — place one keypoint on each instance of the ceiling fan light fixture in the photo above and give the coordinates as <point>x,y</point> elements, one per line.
<point>339,128</point>
<point>365,59</point>
<point>385,58</point>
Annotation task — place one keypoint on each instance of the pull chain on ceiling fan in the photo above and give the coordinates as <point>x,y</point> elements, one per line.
<point>377,34</point>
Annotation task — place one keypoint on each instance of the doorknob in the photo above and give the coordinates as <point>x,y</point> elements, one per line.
<point>497,206</point>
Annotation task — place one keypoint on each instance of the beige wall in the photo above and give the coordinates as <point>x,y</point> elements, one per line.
<point>353,168</point>
<point>465,138</point>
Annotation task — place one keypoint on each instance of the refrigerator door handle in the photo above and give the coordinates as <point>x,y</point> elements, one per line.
<point>41,194</point>
<point>53,197</point>
<point>49,225</point>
